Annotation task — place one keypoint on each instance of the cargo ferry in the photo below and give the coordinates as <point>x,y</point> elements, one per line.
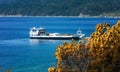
<point>40,33</point>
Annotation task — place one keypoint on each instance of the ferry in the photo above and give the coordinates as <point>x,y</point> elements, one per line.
<point>40,33</point>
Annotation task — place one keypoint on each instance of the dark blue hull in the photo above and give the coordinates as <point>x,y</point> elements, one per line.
<point>56,38</point>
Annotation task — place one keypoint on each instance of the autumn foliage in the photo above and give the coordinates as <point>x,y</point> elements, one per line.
<point>101,53</point>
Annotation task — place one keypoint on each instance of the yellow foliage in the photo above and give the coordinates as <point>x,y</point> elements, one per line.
<point>101,53</point>
<point>51,69</point>
<point>8,70</point>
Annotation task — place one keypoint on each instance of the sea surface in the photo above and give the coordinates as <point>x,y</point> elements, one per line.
<point>19,53</point>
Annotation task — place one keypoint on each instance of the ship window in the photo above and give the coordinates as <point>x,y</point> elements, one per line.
<point>34,30</point>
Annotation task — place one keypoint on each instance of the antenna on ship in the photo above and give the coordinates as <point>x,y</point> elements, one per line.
<point>79,32</point>
<point>79,27</point>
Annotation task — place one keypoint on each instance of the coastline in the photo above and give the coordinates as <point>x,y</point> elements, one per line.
<point>65,16</point>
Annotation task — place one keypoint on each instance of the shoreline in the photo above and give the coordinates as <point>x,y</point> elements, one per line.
<point>67,16</point>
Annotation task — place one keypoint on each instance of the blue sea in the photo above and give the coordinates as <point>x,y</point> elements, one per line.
<point>19,53</point>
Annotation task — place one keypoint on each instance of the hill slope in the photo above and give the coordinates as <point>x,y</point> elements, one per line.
<point>6,1</point>
<point>60,7</point>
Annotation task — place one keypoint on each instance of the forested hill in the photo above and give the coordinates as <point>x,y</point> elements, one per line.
<point>60,7</point>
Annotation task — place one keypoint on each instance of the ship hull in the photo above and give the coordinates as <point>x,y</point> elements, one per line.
<point>56,38</point>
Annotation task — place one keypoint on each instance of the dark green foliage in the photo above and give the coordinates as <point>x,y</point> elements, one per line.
<point>60,7</point>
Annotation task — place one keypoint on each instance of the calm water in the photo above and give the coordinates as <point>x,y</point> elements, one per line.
<point>21,54</point>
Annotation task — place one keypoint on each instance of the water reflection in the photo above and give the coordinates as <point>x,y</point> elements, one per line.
<point>39,41</point>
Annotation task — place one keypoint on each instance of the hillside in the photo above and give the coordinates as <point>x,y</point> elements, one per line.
<point>60,7</point>
<point>6,1</point>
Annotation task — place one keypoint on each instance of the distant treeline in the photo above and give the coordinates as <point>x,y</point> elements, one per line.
<point>60,7</point>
